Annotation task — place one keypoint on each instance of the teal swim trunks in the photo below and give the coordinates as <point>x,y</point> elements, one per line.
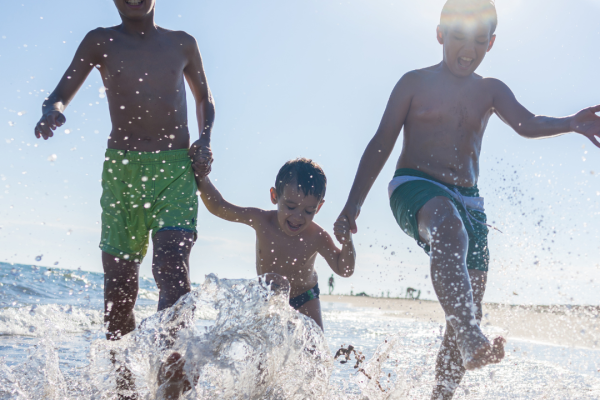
<point>407,199</point>
<point>143,192</point>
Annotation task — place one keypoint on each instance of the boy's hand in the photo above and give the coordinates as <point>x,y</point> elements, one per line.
<point>202,159</point>
<point>587,123</point>
<point>48,123</point>
<point>342,230</point>
<point>346,223</point>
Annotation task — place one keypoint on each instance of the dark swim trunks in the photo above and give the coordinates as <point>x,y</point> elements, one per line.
<point>305,297</point>
<point>407,199</point>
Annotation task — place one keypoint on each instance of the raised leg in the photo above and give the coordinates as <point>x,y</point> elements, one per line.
<point>442,228</point>
<point>449,369</point>
<point>170,265</point>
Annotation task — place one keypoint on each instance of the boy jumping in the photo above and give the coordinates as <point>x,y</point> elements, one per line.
<point>287,239</point>
<point>444,110</point>
<point>148,182</point>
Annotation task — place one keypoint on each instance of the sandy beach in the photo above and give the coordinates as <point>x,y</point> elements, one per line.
<point>577,326</point>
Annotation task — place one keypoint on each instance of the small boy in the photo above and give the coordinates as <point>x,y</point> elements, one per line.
<point>444,110</point>
<point>287,239</point>
<point>148,182</point>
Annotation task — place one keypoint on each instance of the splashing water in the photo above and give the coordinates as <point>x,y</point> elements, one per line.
<point>240,340</point>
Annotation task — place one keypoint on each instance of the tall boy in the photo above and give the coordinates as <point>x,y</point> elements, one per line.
<point>148,182</point>
<point>444,110</point>
<point>287,239</point>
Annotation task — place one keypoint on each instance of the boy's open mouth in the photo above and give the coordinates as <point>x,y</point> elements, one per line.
<point>293,227</point>
<point>465,62</point>
<point>134,3</point>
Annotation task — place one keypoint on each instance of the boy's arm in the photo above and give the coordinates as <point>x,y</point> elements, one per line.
<point>217,205</point>
<point>379,148</point>
<point>52,110</point>
<point>205,106</point>
<point>340,261</point>
<point>526,124</point>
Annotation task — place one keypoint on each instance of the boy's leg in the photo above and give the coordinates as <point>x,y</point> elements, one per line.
<point>170,265</point>
<point>312,309</point>
<point>449,369</point>
<point>120,294</point>
<point>441,226</point>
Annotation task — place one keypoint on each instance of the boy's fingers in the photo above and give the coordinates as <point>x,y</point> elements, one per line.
<point>353,227</point>
<point>594,140</point>
<point>595,109</point>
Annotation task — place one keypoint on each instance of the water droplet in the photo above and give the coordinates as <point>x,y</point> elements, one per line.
<point>67,131</point>
<point>32,329</point>
<point>145,179</point>
<point>39,258</point>
<point>52,158</point>
<point>125,161</point>
<point>147,205</point>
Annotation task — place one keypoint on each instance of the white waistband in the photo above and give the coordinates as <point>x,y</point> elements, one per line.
<point>473,203</point>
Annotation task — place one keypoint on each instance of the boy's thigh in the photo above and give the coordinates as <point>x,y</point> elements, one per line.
<point>433,213</point>
<point>312,309</point>
<point>173,243</point>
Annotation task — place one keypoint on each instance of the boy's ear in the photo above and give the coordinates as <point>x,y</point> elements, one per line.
<point>320,205</point>
<point>492,41</point>
<point>440,35</point>
<point>273,195</point>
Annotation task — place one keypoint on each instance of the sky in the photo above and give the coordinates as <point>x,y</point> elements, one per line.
<point>311,78</point>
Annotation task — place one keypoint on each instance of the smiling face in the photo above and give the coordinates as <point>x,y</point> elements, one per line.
<point>465,46</point>
<point>295,210</point>
<point>135,9</point>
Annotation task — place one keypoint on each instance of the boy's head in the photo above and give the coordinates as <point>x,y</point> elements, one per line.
<point>135,9</point>
<point>466,31</point>
<point>299,194</point>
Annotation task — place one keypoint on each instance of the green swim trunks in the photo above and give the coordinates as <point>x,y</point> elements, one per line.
<point>407,199</point>
<point>145,192</point>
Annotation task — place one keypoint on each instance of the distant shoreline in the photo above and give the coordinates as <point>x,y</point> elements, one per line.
<point>573,326</point>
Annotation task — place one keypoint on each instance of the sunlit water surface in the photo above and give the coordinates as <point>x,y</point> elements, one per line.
<point>243,342</point>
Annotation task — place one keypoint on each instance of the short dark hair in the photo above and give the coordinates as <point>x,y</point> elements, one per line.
<point>483,10</point>
<point>306,173</point>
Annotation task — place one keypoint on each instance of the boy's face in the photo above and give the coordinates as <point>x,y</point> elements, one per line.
<point>465,46</point>
<point>295,211</point>
<point>135,9</point>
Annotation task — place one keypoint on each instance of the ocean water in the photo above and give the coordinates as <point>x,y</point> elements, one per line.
<point>242,341</point>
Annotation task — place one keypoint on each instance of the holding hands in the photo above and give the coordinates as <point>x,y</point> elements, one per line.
<point>202,159</point>
<point>587,123</point>
<point>345,225</point>
<point>49,122</point>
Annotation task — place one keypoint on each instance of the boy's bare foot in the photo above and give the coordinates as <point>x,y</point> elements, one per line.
<point>172,379</point>
<point>477,351</point>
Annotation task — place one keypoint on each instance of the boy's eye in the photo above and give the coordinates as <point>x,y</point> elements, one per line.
<point>290,208</point>
<point>310,212</point>
<point>484,42</point>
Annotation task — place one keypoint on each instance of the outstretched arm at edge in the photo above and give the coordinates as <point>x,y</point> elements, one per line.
<point>218,206</point>
<point>83,62</point>
<point>379,149</point>
<point>532,126</point>
<point>341,261</point>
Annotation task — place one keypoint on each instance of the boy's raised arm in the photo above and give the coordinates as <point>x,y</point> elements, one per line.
<point>85,58</point>
<point>218,206</point>
<point>341,261</point>
<point>526,124</point>
<point>379,149</point>
<point>205,106</point>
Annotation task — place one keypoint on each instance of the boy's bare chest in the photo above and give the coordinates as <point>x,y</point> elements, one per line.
<point>276,253</point>
<point>450,109</point>
<point>142,69</point>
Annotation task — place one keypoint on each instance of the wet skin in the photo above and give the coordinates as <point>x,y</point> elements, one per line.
<point>287,239</point>
<point>444,110</point>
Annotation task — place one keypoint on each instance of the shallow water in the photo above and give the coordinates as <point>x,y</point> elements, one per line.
<point>243,342</point>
